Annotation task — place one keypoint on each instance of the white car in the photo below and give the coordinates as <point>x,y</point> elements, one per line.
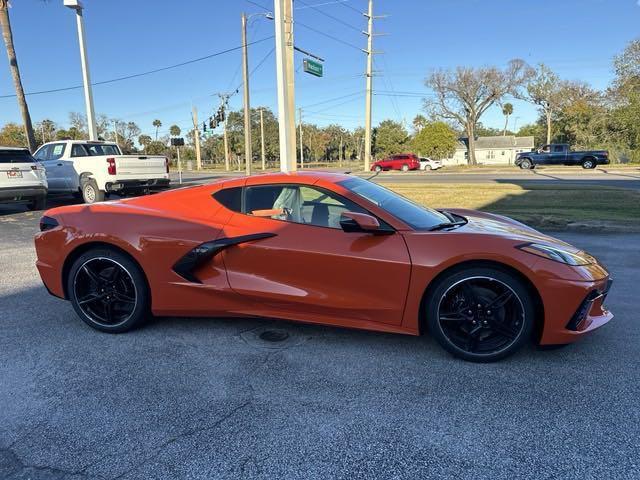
<point>22,179</point>
<point>93,169</point>
<point>428,164</point>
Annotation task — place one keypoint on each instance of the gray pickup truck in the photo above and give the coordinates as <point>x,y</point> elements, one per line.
<point>561,154</point>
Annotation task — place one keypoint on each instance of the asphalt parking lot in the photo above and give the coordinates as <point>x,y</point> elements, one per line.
<point>204,399</point>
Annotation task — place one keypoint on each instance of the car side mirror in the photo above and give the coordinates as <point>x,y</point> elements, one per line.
<point>363,223</point>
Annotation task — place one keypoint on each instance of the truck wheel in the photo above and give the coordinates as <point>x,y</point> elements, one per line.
<point>588,163</point>
<point>38,203</point>
<point>526,164</point>
<point>91,193</point>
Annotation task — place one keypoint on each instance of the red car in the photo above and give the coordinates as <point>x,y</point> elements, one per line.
<point>403,161</point>
<point>316,247</point>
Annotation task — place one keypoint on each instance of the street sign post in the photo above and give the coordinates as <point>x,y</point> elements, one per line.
<point>313,67</point>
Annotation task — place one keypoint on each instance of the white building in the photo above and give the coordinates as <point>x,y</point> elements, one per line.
<point>492,150</point>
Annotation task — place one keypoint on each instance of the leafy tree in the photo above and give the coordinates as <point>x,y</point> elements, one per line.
<point>71,134</point>
<point>7,35</point>
<point>545,91</point>
<point>174,130</point>
<point>156,148</point>
<point>507,111</point>
<point>463,95</point>
<point>390,138</point>
<point>535,130</point>
<point>436,140</point>
<point>45,131</point>
<point>12,135</point>
<point>157,124</point>
<point>144,140</point>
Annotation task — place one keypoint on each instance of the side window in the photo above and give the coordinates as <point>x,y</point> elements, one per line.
<point>298,204</point>
<point>558,149</point>
<point>230,198</point>
<point>546,148</point>
<point>57,150</point>
<point>78,150</point>
<point>43,153</point>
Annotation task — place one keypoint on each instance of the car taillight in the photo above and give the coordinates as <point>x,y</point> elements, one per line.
<point>166,164</point>
<point>47,223</point>
<point>111,169</point>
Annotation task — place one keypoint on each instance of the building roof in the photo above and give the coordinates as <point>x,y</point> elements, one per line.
<point>498,142</point>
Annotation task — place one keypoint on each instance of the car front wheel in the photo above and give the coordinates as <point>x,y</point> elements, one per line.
<point>405,168</point>
<point>526,164</point>
<point>480,314</point>
<point>108,291</point>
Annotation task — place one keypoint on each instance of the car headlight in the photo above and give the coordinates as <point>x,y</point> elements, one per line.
<point>557,254</point>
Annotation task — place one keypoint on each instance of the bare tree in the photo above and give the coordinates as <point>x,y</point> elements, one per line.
<point>463,95</point>
<point>7,36</point>
<point>545,90</point>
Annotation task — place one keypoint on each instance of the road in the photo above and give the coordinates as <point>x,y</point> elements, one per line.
<point>612,178</point>
<point>207,398</point>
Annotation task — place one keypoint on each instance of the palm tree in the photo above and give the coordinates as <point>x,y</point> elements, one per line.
<point>157,123</point>
<point>7,36</point>
<point>174,130</point>
<point>144,140</point>
<point>507,111</point>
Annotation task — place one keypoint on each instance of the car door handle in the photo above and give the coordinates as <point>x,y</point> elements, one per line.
<point>207,250</point>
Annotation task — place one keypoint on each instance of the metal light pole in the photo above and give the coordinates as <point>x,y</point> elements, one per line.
<point>88,95</point>
<point>369,88</point>
<point>245,76</point>
<point>283,10</point>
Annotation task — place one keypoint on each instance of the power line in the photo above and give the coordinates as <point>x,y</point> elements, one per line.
<point>331,100</point>
<point>358,97</point>
<point>328,15</point>
<point>320,32</point>
<point>346,5</point>
<point>136,75</point>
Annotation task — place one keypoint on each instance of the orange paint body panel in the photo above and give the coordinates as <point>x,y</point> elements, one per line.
<point>310,273</point>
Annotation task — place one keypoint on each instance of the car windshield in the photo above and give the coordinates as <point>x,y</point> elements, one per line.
<point>16,156</point>
<point>414,215</point>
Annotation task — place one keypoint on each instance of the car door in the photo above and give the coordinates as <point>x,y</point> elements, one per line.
<point>50,156</point>
<point>306,267</point>
<point>558,155</point>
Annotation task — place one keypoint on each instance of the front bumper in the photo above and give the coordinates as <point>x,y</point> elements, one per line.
<point>8,194</point>
<point>137,186</point>
<point>574,309</point>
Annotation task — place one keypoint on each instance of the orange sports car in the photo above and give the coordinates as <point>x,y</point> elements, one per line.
<point>322,248</point>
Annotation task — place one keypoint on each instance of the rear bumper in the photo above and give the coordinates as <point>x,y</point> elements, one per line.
<point>579,311</point>
<point>8,194</point>
<point>131,186</point>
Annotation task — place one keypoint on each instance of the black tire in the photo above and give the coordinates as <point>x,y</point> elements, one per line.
<point>475,326</point>
<point>526,164</point>
<point>90,192</point>
<point>405,168</point>
<point>38,203</point>
<point>588,163</point>
<point>108,291</point>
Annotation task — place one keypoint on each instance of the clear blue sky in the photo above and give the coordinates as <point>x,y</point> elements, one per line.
<point>577,38</point>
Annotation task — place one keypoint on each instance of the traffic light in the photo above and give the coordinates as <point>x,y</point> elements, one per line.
<point>204,126</point>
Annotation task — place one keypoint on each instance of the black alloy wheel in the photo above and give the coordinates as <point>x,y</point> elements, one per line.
<point>481,315</point>
<point>108,291</point>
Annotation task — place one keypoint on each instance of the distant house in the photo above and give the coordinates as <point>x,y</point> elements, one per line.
<point>492,150</point>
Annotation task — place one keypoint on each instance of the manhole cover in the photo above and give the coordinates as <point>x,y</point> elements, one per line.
<point>274,336</point>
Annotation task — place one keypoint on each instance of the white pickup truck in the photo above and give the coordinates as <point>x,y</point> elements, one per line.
<point>94,169</point>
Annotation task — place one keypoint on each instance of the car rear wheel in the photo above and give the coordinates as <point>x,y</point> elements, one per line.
<point>108,291</point>
<point>405,168</point>
<point>38,203</point>
<point>588,163</point>
<point>480,314</point>
<point>526,164</point>
<point>91,193</point>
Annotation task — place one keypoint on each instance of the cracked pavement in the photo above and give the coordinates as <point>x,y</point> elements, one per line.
<point>202,399</point>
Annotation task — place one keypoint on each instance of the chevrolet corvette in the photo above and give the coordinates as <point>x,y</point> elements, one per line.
<point>322,248</point>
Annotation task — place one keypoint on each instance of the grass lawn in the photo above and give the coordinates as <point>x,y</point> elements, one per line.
<point>594,207</point>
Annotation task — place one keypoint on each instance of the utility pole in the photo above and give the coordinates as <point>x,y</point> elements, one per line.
<point>247,111</point>
<point>262,137</point>
<point>88,95</point>
<point>340,153</point>
<point>369,92</point>
<point>196,136</point>
<point>283,11</point>
<point>301,146</point>
<point>115,130</point>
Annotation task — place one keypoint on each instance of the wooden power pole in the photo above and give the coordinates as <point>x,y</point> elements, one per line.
<point>196,137</point>
<point>262,138</point>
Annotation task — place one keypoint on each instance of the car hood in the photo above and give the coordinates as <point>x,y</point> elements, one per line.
<point>505,227</point>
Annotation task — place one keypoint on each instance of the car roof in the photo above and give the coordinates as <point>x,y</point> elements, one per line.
<point>14,148</point>
<point>279,177</point>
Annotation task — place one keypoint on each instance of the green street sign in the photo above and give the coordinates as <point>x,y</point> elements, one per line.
<point>312,67</point>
